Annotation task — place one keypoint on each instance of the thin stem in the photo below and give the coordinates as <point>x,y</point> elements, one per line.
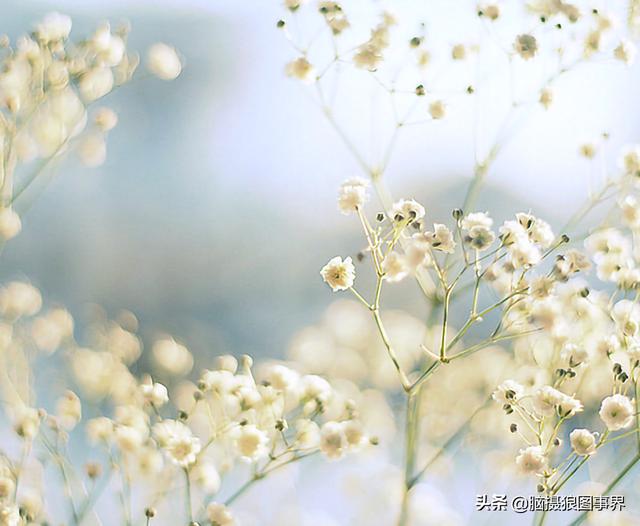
<point>187,496</point>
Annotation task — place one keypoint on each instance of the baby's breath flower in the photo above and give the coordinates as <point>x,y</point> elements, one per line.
<point>508,392</point>
<point>574,354</point>
<point>53,27</point>
<point>546,399</point>
<point>532,460</point>
<point>207,477</point>
<point>626,52</point>
<point>395,267</point>
<point>441,239</point>
<point>220,515</point>
<point>100,429</point>
<point>9,515</point>
<point>27,422</point>
<point>251,443</point>
<point>96,83</point>
<point>352,195</point>
<point>617,412</point>
<point>307,433</point>
<point>407,210</point>
<point>526,46</point>
<point>368,56</point>
<point>333,441</point>
<point>339,274</point>
<point>10,224</point>
<point>631,161</point>
<point>178,442</point>
<point>69,410</point>
<point>301,69</point>
<point>105,119</point>
<point>163,61</point>
<point>546,98</point>
<point>583,442</point>
<point>437,109</point>
<point>154,393</point>
<point>172,357</point>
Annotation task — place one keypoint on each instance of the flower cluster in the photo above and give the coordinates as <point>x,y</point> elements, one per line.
<point>150,435</point>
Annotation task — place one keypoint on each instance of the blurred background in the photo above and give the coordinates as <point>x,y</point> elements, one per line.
<point>216,207</point>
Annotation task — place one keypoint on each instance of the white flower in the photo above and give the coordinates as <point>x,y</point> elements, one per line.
<point>207,477</point>
<point>307,433</point>
<point>531,460</point>
<point>626,52</point>
<point>154,393</point>
<point>53,27</point>
<point>541,233</point>
<point>630,160</point>
<point>333,441</point>
<point>574,354</point>
<point>437,110</point>
<point>511,232</point>
<point>630,211</point>
<point>177,441</point>
<point>395,267</point>
<point>301,69</point>
<point>417,253</point>
<point>508,392</point>
<point>626,315</point>
<point>352,195</point>
<point>69,410</point>
<point>7,487</point>
<point>9,515</point>
<point>99,429</point>
<point>568,406</point>
<point>368,56</point>
<point>407,210</point>
<point>220,515</point>
<point>96,83</point>
<point>523,253</point>
<point>163,61</point>
<point>526,46</point>
<point>617,412</point>
<point>172,357</point>
<point>339,274</point>
<point>545,400</point>
<point>583,442</point>
<point>251,443</point>
<point>441,239</point>
<point>110,47</point>
<point>27,422</point>
<point>10,224</point>
<point>475,219</point>
<point>105,119</point>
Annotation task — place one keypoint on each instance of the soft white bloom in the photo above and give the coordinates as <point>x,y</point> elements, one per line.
<point>110,47</point>
<point>630,160</point>
<point>583,442</point>
<point>96,83</point>
<point>69,410</point>
<point>27,422</point>
<point>92,149</point>
<point>10,224</point>
<point>512,232</point>
<point>207,477</point>
<point>407,210</point>
<point>437,110</point>
<point>54,26</point>
<point>475,219</point>
<point>307,433</point>
<point>154,393</point>
<point>301,69</point>
<point>163,61</point>
<point>251,443</point>
<point>333,441</point>
<point>9,515</point>
<point>617,412</point>
<point>508,392</point>
<point>541,233</point>
<point>626,314</point>
<point>352,195</point>
<point>172,357</point>
<point>100,429</point>
<point>339,274</point>
<point>626,52</point>
<point>531,460</point>
<point>368,56</point>
<point>523,253</point>
<point>395,267</point>
<point>574,354</point>
<point>441,238</point>
<point>177,440</point>
<point>354,432</point>
<point>7,487</point>
<point>526,46</point>
<point>630,209</point>
<point>546,399</point>
<point>568,406</point>
<point>105,119</point>
<point>418,252</point>
<point>282,378</point>
<point>313,387</point>
<point>220,515</point>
